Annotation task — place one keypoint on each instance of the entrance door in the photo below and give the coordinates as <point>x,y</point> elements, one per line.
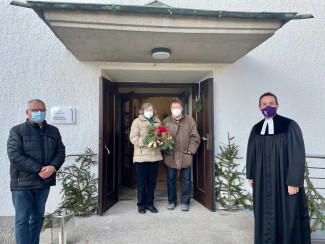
<point>127,115</point>
<point>203,166</point>
<point>108,150</point>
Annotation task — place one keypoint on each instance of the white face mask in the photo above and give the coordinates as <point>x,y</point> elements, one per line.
<point>176,112</point>
<point>148,114</point>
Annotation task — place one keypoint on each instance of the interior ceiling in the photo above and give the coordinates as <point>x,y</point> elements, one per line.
<point>156,76</point>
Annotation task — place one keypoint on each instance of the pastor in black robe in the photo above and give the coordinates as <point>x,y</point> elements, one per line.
<point>275,162</point>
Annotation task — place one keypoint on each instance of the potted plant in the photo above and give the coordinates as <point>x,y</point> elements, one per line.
<point>229,181</point>
<point>79,186</point>
<point>315,202</point>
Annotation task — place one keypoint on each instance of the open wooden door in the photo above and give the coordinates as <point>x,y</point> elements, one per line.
<point>108,150</point>
<point>203,165</point>
<point>127,115</point>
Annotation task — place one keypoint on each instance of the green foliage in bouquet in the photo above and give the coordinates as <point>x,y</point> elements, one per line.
<point>229,181</point>
<point>158,138</point>
<point>79,185</point>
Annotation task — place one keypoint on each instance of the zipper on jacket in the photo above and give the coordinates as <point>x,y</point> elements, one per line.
<point>42,147</point>
<point>177,124</point>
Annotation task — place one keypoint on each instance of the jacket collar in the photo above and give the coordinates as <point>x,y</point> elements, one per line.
<point>144,119</point>
<point>175,120</point>
<point>35,125</point>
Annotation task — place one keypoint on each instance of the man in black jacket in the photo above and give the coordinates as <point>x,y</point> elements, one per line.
<point>36,152</point>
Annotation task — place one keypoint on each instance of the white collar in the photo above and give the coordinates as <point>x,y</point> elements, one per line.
<point>270,124</point>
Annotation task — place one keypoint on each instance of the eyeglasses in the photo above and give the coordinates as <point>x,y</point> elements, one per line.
<point>37,110</point>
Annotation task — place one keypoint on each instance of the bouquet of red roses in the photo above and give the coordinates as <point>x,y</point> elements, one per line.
<point>158,138</point>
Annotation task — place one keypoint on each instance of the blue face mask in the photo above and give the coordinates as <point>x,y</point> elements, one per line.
<point>38,117</point>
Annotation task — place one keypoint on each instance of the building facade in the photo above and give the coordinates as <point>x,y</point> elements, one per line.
<point>35,63</point>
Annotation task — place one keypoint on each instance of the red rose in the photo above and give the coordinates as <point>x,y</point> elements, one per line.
<point>162,129</point>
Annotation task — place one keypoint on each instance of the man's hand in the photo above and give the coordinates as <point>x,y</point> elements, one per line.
<point>250,182</point>
<point>46,171</point>
<point>293,190</point>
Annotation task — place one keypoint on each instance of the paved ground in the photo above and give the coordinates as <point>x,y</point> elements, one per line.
<point>123,224</point>
<point>7,229</point>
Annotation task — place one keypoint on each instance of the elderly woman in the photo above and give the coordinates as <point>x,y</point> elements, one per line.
<point>145,159</point>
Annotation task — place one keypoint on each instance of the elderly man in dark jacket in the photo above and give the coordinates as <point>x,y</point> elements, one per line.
<point>36,152</point>
<point>183,129</point>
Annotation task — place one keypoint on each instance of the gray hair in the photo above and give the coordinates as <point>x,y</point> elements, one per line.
<point>35,100</point>
<point>147,105</point>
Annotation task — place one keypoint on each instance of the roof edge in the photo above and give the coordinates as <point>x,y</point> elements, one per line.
<point>162,10</point>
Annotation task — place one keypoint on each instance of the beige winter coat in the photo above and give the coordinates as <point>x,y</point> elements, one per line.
<point>141,152</point>
<point>186,139</point>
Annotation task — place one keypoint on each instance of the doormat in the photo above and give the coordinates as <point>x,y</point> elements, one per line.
<point>126,193</point>
<point>161,194</point>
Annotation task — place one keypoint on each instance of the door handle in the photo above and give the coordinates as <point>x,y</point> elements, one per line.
<point>108,152</point>
<point>207,138</point>
<point>129,136</point>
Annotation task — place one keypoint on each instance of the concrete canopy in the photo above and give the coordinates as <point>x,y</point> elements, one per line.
<point>117,33</point>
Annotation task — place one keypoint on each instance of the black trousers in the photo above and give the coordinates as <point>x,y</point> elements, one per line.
<point>147,173</point>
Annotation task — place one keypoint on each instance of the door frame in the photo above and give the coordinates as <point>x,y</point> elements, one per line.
<point>167,85</point>
<point>212,145</point>
<point>126,171</point>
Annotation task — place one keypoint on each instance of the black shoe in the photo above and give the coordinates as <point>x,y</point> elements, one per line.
<point>142,210</point>
<point>152,209</point>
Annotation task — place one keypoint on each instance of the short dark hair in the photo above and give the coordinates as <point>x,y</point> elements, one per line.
<point>176,100</point>
<point>268,94</point>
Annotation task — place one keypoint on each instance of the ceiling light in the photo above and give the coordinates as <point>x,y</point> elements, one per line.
<point>160,53</point>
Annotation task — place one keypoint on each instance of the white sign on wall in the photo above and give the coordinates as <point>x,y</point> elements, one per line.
<point>63,115</point>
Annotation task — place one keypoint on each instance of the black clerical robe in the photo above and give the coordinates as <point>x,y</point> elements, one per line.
<point>275,162</point>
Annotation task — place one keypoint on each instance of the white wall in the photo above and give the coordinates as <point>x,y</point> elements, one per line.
<point>35,64</point>
<point>291,65</point>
